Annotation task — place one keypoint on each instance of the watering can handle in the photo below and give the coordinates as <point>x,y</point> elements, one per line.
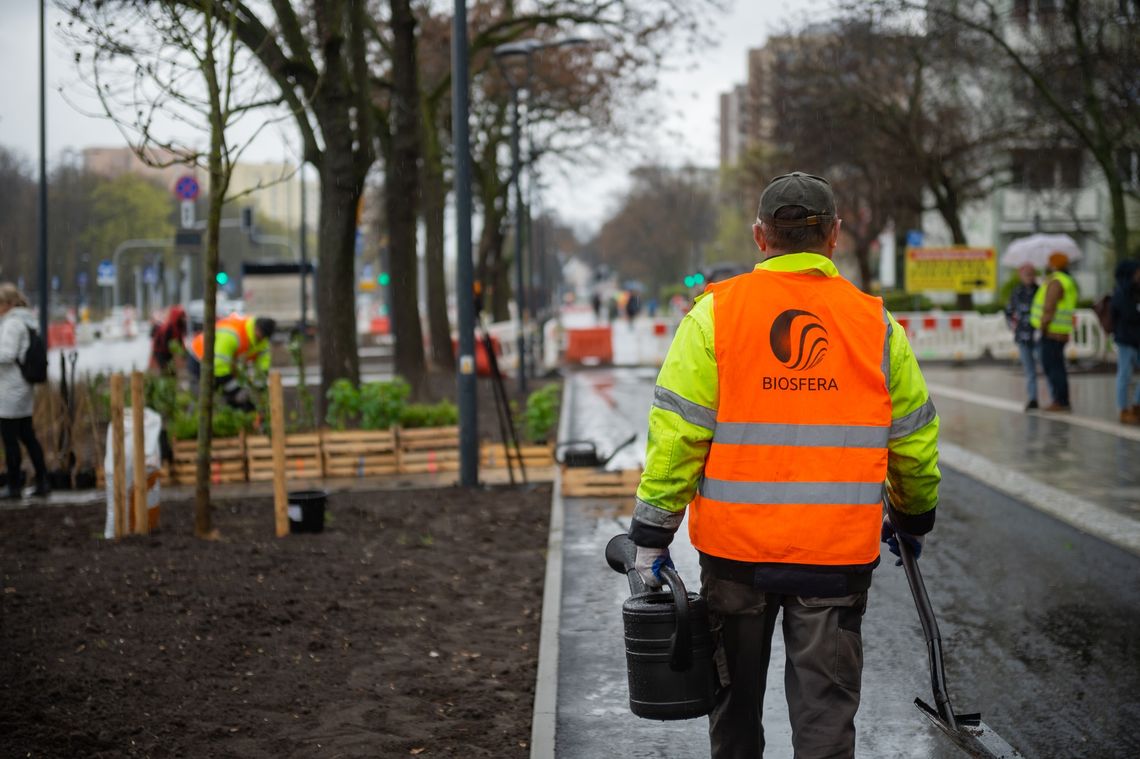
<point>619,555</point>
<point>681,647</point>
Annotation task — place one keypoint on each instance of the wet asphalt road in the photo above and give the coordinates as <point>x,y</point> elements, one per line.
<point>1040,624</point>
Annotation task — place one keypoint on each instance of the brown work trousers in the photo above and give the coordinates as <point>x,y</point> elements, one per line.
<point>824,648</point>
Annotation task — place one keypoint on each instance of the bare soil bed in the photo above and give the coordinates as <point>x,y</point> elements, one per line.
<point>409,627</point>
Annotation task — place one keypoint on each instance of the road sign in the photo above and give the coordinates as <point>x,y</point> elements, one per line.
<point>914,238</point>
<point>960,269</point>
<point>105,274</point>
<point>150,275</point>
<point>187,214</point>
<point>81,279</point>
<point>186,188</point>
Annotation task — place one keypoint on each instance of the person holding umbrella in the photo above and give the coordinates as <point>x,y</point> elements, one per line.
<point>1052,313</point>
<point>1017,314</point>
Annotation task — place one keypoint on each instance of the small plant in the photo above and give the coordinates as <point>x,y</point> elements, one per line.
<point>344,404</point>
<point>307,417</point>
<point>541,413</point>
<point>383,403</point>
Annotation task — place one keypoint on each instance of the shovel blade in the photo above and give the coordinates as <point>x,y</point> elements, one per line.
<point>972,736</point>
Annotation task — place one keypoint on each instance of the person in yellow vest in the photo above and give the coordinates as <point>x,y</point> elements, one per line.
<point>793,425</point>
<point>1052,312</point>
<point>236,339</point>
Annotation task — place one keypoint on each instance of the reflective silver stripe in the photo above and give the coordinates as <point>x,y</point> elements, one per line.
<point>914,421</point>
<point>693,413</point>
<point>647,513</point>
<point>830,435</point>
<point>887,349</point>
<point>818,493</point>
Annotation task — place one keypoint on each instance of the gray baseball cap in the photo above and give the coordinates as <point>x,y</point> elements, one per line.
<point>797,189</point>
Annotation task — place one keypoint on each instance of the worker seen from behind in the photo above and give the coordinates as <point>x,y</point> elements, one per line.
<point>791,421</point>
<point>1052,311</point>
<point>237,340</point>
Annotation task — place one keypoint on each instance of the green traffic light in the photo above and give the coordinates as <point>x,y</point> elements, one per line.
<point>222,278</point>
<point>699,278</point>
<point>384,278</point>
<point>689,281</point>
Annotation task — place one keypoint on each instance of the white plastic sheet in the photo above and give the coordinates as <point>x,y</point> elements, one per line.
<point>152,428</point>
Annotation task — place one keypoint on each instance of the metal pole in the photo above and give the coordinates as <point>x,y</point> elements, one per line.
<point>42,241</point>
<point>464,273</point>
<point>520,283</point>
<point>304,256</point>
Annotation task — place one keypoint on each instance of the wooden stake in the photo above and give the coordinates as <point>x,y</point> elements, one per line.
<point>138,452</point>
<point>118,456</point>
<point>277,437</point>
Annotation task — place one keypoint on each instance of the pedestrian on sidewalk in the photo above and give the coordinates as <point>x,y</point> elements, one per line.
<point>1052,314</point>
<point>1125,310</point>
<point>17,400</point>
<point>1017,316</point>
<point>787,399</point>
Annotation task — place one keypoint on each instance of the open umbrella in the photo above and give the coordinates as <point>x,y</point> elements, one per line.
<point>1036,249</point>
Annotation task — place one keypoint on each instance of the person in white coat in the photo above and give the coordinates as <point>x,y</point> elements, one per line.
<point>16,397</point>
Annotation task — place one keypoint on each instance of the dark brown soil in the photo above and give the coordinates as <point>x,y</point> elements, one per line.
<point>409,627</point>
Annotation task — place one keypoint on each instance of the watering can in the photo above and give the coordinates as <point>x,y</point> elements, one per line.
<point>668,646</point>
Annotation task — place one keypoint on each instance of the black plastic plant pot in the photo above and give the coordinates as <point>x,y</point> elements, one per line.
<point>307,511</point>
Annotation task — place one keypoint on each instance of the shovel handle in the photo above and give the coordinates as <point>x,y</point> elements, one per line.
<point>929,631</point>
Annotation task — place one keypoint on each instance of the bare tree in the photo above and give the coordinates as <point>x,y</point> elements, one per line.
<point>157,69</point>
<point>1080,60</point>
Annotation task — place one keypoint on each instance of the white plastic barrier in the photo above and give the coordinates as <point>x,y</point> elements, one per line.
<point>968,335</point>
<point>943,335</point>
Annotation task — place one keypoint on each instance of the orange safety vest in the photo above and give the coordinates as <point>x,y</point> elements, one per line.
<point>240,326</point>
<point>795,473</point>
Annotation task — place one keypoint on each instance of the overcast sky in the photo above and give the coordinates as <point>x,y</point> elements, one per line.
<point>583,197</point>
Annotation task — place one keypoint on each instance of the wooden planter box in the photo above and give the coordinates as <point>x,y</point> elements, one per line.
<point>431,449</point>
<point>358,453</point>
<point>494,455</point>
<point>587,482</point>
<point>302,456</point>
<point>227,460</point>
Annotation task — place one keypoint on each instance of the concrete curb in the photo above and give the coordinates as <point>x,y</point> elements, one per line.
<point>545,718</point>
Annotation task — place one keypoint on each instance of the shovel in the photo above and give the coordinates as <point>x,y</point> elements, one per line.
<point>967,731</point>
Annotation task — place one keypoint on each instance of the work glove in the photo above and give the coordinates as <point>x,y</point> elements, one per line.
<point>891,537</point>
<point>229,385</point>
<point>648,563</point>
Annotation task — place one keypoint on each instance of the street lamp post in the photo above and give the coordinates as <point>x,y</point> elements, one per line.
<point>42,234</point>
<point>464,269</point>
<point>522,49</point>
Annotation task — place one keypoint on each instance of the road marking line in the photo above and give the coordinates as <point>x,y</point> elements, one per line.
<point>1086,516</point>
<point>1100,425</point>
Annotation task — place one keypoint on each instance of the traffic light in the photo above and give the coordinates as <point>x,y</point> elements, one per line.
<point>689,282</point>
<point>222,278</point>
<point>694,280</point>
<point>384,278</point>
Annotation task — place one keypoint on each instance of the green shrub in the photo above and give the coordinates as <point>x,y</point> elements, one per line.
<point>382,403</point>
<point>541,413</point>
<point>344,404</point>
<point>442,414</point>
<point>899,300</point>
<point>183,425</point>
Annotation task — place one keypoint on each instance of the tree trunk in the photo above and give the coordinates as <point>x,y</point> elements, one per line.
<point>401,187</point>
<point>336,276</point>
<point>946,200</point>
<point>219,184</point>
<point>434,202</point>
